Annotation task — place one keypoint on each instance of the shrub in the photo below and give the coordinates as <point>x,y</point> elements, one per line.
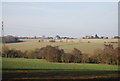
<point>12,53</point>
<point>67,58</point>
<point>108,55</point>
<point>29,54</point>
<point>5,51</point>
<point>77,55</point>
<point>85,58</point>
<point>51,53</point>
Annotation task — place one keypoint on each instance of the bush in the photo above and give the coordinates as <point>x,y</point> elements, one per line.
<point>50,53</point>
<point>108,55</point>
<point>29,54</point>
<point>77,55</point>
<point>67,58</point>
<point>85,58</point>
<point>11,53</point>
<point>54,54</point>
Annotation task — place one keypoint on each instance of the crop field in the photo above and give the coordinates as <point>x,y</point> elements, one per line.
<point>20,68</point>
<point>84,46</point>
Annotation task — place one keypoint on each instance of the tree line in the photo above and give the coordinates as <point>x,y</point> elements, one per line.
<point>108,55</point>
<point>9,39</point>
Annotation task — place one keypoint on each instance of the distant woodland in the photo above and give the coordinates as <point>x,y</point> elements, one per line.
<point>9,39</point>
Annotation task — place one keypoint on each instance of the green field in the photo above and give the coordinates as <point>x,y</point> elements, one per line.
<point>21,63</point>
<point>18,68</point>
<point>30,44</point>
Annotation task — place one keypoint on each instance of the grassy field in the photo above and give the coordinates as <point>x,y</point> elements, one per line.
<point>30,44</point>
<point>19,68</point>
<point>21,63</point>
<point>31,69</point>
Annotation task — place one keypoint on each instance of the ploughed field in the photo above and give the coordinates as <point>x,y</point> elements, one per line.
<point>81,44</point>
<point>21,68</point>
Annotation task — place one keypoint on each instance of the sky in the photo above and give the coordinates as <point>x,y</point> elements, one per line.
<point>71,19</point>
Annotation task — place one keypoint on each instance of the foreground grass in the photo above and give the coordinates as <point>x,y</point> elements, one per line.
<point>31,69</point>
<point>21,63</point>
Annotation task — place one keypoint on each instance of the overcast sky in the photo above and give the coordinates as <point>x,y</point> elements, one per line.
<point>75,19</point>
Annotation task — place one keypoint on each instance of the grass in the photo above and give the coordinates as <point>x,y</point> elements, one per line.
<point>31,44</point>
<point>21,63</point>
<point>32,69</point>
